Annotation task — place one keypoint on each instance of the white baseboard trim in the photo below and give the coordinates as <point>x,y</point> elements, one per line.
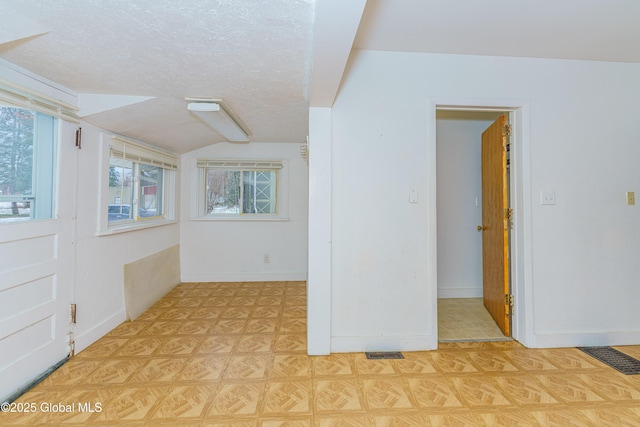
<point>360,344</point>
<point>294,276</point>
<point>460,293</point>
<point>586,339</point>
<point>87,338</point>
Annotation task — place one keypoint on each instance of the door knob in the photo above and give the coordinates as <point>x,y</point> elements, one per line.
<point>480,228</point>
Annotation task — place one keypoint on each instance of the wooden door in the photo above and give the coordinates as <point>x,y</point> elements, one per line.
<point>495,224</point>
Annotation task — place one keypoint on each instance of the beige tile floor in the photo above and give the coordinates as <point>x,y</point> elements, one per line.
<point>234,354</point>
<point>466,319</point>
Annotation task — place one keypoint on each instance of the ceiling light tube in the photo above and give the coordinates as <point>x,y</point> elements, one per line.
<point>214,115</point>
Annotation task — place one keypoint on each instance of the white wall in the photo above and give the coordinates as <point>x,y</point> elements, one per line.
<point>580,140</point>
<point>379,240</point>
<point>233,250</point>
<point>100,260</point>
<point>319,253</point>
<point>459,208</point>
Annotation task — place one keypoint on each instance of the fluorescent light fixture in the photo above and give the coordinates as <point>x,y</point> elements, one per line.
<point>218,115</point>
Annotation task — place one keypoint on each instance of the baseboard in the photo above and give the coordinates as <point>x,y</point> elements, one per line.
<point>585,339</point>
<point>294,276</point>
<point>87,338</point>
<point>460,293</point>
<point>361,344</point>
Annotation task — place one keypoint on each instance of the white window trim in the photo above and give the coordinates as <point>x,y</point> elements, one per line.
<point>45,173</point>
<point>19,96</point>
<point>140,153</point>
<point>197,197</point>
<point>137,152</point>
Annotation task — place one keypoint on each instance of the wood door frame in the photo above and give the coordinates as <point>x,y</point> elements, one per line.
<point>520,195</point>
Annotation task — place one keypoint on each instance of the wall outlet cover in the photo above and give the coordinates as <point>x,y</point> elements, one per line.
<point>547,197</point>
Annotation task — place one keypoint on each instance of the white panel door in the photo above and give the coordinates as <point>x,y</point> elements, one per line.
<point>36,282</point>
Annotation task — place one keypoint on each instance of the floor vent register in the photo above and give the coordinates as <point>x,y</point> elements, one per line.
<point>616,359</point>
<point>380,355</point>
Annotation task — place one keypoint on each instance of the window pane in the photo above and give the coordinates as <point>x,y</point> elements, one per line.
<point>27,159</point>
<point>150,191</point>
<point>44,161</point>
<point>120,189</point>
<point>222,191</point>
<point>16,163</point>
<point>259,192</point>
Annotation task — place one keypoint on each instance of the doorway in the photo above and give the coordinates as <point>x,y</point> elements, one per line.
<point>467,306</point>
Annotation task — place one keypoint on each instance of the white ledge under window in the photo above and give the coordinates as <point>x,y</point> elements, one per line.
<point>135,226</point>
<point>253,218</point>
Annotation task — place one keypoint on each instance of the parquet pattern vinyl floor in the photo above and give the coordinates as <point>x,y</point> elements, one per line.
<point>234,354</point>
<point>465,319</point>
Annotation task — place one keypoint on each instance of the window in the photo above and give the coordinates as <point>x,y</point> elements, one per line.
<point>27,159</point>
<point>141,188</point>
<point>234,187</point>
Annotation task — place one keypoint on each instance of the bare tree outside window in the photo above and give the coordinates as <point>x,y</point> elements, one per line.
<point>16,162</point>
<point>223,191</point>
<point>240,191</point>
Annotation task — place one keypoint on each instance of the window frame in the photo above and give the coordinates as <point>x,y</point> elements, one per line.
<point>44,152</point>
<point>198,200</point>
<point>52,110</point>
<point>139,154</point>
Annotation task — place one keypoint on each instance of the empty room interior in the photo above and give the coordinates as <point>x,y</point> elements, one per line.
<point>319,213</point>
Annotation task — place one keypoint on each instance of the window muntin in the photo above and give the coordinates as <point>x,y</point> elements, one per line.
<point>233,190</point>
<point>27,160</point>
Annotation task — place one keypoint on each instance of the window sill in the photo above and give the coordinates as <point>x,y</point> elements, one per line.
<point>139,225</point>
<point>241,218</point>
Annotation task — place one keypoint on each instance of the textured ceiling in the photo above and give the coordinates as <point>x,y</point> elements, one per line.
<point>254,54</point>
<point>148,55</point>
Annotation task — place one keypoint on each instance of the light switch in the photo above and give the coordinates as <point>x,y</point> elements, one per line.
<point>547,197</point>
<point>413,195</point>
<point>631,198</point>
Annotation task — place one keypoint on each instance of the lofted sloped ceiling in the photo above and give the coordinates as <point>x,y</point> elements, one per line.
<point>254,54</point>
<point>133,62</point>
<point>598,30</point>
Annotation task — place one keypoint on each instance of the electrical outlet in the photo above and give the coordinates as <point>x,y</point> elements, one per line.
<point>548,197</point>
<point>631,198</point>
<point>267,259</point>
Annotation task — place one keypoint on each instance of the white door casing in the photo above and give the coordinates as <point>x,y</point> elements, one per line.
<point>520,194</point>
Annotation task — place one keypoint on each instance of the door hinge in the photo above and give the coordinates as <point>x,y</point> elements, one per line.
<point>508,218</point>
<point>79,138</point>
<point>508,300</point>
<point>72,313</point>
<point>72,344</point>
<point>507,138</point>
